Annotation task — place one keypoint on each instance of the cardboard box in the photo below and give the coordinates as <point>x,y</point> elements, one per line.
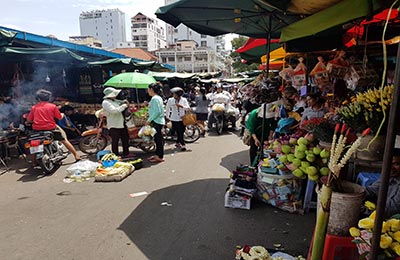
<point>236,201</point>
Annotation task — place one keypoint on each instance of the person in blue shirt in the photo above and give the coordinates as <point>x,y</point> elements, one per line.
<point>157,120</point>
<point>66,123</point>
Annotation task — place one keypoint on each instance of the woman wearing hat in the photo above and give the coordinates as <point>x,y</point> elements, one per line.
<point>175,109</point>
<point>113,110</point>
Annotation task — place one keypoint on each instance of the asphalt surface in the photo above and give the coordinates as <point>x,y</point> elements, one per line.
<point>182,216</point>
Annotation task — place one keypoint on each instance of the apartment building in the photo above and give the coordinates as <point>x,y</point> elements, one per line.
<point>106,25</point>
<point>146,33</point>
<point>187,56</point>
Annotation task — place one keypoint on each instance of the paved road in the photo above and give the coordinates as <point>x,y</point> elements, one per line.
<point>45,218</point>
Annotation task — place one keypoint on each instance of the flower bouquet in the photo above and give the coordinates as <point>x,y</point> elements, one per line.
<point>321,128</point>
<point>368,109</point>
<point>260,253</point>
<point>390,238</point>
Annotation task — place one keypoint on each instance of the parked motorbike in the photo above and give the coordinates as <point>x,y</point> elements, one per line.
<point>49,152</point>
<point>96,139</point>
<point>192,133</point>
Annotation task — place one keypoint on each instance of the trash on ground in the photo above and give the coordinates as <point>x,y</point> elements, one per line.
<point>138,194</point>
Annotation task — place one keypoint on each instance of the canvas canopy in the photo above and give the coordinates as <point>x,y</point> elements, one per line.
<point>58,55</point>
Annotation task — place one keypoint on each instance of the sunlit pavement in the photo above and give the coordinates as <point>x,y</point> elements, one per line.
<point>172,210</point>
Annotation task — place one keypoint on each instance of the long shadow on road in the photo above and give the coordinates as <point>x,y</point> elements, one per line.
<point>189,221</point>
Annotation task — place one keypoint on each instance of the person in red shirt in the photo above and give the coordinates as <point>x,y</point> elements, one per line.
<point>43,117</point>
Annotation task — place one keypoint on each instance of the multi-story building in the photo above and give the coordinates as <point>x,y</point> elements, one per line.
<point>182,32</point>
<point>147,33</point>
<point>86,40</point>
<point>186,56</point>
<point>106,25</point>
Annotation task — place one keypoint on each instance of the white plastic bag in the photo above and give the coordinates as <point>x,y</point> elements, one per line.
<point>147,131</point>
<point>85,168</point>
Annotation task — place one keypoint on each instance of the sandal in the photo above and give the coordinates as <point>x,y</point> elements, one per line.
<point>151,158</point>
<point>156,160</point>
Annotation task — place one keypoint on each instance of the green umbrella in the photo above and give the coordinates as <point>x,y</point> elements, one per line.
<point>134,80</point>
<point>130,80</point>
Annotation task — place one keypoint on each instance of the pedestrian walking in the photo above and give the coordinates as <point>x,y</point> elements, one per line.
<point>157,120</point>
<point>175,109</point>
<point>202,104</point>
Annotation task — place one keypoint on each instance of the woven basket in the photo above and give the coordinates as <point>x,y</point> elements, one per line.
<point>139,121</point>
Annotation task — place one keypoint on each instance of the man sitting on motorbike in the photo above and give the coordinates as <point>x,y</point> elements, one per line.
<point>220,100</point>
<point>43,117</point>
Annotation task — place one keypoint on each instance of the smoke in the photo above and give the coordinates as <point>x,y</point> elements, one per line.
<point>21,95</point>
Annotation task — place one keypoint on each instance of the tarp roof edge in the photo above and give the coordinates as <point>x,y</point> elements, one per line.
<point>341,13</point>
<point>41,51</point>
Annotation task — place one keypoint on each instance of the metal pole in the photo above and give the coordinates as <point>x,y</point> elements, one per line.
<point>268,46</point>
<point>387,161</point>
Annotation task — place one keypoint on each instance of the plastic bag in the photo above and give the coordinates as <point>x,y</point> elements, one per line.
<point>218,107</point>
<point>85,168</point>
<point>147,131</point>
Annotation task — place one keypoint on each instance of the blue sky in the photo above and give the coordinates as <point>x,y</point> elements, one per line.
<point>61,17</point>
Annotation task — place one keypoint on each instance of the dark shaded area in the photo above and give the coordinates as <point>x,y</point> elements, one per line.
<point>197,226</point>
<point>231,160</point>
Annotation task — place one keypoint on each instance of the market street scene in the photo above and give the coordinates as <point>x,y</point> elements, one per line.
<point>185,129</point>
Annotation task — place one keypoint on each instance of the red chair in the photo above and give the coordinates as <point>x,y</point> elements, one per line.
<point>337,248</point>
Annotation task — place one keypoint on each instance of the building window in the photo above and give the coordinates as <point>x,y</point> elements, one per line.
<point>203,44</point>
<point>110,14</point>
<point>171,59</point>
<point>188,58</point>
<point>175,30</point>
<point>111,27</point>
<point>110,20</point>
<point>203,36</point>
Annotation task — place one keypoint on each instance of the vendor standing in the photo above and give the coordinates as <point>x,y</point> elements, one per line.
<point>113,110</point>
<point>262,118</point>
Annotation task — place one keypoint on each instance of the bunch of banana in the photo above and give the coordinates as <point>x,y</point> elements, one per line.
<point>376,99</point>
<point>351,110</point>
<point>109,157</point>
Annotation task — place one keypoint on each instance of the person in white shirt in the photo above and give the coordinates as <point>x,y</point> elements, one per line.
<point>175,109</point>
<point>220,97</point>
<point>113,109</point>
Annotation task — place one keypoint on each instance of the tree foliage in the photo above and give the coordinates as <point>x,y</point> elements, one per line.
<point>237,64</point>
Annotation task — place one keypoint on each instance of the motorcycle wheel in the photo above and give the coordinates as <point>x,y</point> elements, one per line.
<point>148,147</point>
<point>192,134</point>
<point>219,126</point>
<point>45,162</point>
<point>90,144</point>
